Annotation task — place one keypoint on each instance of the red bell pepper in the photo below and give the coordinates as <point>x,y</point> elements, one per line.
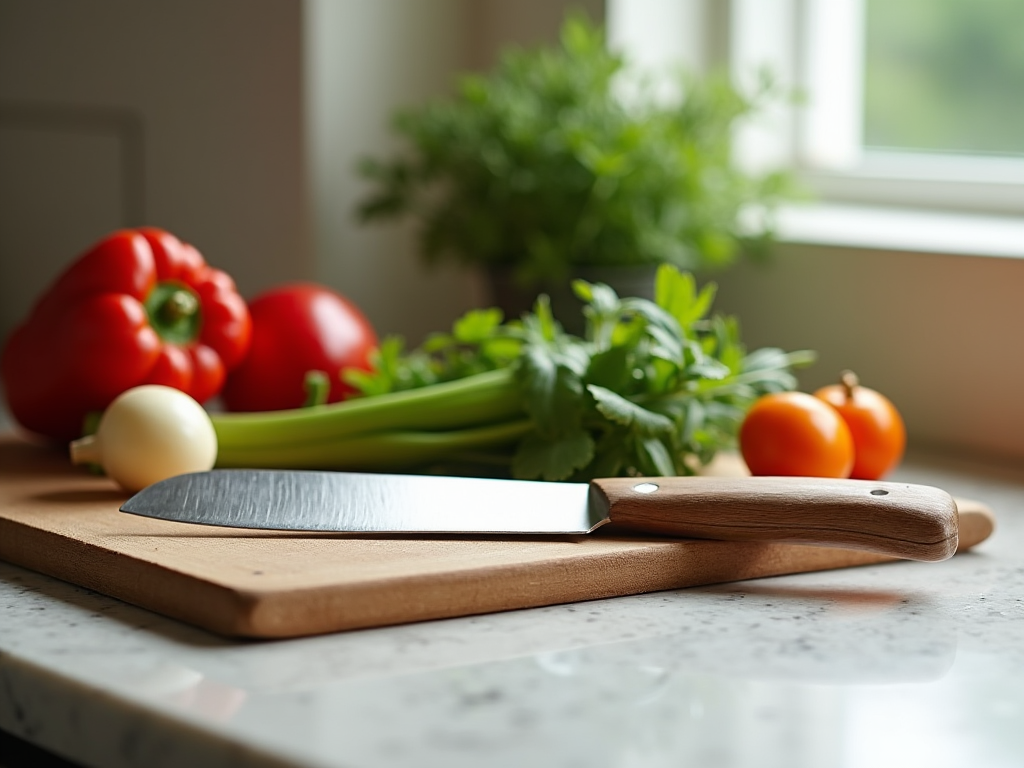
<point>140,307</point>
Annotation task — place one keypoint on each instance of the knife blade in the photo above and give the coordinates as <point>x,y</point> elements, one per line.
<point>915,522</point>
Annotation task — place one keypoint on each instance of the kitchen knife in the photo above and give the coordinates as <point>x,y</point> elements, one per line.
<point>915,522</point>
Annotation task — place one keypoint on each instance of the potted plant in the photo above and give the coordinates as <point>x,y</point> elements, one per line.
<point>555,165</point>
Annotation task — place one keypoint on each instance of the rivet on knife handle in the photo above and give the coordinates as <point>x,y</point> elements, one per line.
<point>915,522</point>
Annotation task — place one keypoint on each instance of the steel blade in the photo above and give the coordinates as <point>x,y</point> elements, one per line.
<point>355,502</point>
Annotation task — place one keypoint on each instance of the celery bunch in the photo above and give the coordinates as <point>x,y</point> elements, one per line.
<point>652,388</point>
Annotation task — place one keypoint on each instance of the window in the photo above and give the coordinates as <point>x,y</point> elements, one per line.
<point>915,102</point>
<point>944,76</point>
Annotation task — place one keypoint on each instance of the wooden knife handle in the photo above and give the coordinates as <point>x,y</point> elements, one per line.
<point>915,522</point>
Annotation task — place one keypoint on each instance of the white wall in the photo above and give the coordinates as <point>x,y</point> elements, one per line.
<point>364,61</point>
<point>184,114</point>
<point>660,34</point>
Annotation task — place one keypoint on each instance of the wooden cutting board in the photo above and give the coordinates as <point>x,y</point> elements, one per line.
<point>61,521</point>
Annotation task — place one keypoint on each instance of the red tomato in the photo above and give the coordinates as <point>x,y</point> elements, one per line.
<point>879,435</point>
<point>794,433</point>
<point>297,328</point>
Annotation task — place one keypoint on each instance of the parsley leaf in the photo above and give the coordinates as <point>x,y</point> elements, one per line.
<point>651,388</point>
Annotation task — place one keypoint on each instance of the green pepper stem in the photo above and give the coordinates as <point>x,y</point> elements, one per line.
<point>180,304</point>
<point>174,312</point>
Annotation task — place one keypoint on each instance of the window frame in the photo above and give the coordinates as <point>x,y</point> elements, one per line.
<point>815,48</point>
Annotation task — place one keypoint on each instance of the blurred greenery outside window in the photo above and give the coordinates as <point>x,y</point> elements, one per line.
<point>916,103</point>
<point>945,76</point>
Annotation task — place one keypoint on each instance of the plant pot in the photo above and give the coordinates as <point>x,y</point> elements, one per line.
<point>514,299</point>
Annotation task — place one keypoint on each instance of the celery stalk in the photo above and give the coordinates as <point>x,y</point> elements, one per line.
<point>485,398</point>
<point>378,451</point>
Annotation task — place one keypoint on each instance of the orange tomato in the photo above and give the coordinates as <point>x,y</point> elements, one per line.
<point>879,435</point>
<point>794,433</point>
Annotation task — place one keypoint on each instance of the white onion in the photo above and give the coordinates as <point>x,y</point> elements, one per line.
<point>149,433</point>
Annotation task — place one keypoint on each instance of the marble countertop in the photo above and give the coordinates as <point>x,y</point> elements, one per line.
<point>904,665</point>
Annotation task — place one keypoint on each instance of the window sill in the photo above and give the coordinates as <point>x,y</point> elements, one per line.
<point>896,229</point>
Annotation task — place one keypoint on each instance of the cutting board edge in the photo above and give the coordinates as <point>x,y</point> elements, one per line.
<point>241,612</point>
<point>657,565</point>
<point>124,578</point>
<point>664,565</point>
<point>288,613</point>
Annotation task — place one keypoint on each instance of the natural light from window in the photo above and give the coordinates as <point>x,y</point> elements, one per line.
<point>908,107</point>
<point>945,76</point>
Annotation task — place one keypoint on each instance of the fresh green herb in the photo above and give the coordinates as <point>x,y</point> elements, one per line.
<point>652,388</point>
<point>564,156</point>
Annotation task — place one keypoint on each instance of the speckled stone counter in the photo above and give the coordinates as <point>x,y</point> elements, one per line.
<point>902,665</point>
